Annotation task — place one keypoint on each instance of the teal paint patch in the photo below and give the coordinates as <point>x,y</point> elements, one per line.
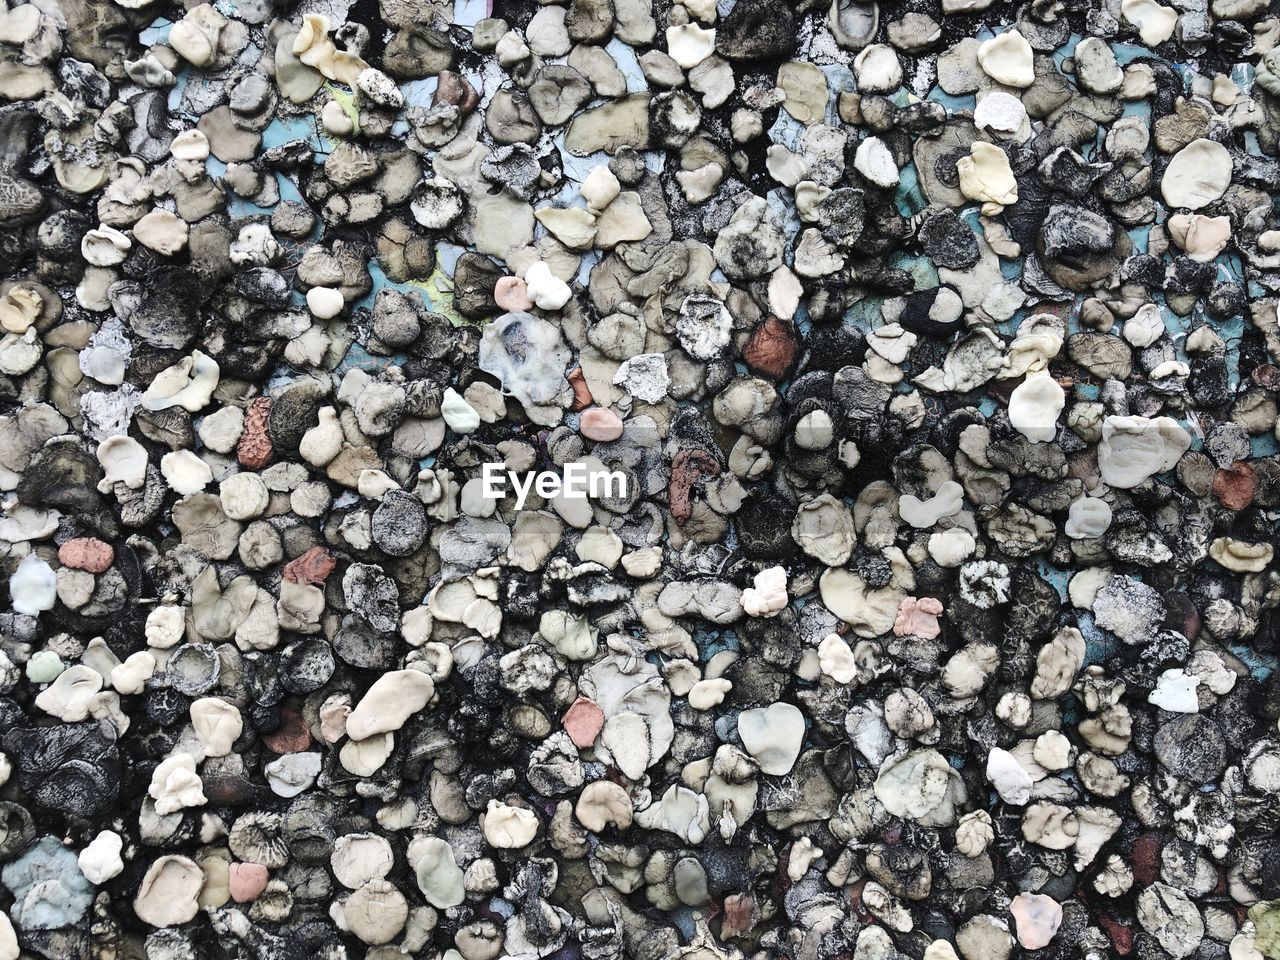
<point>711,642</point>
<point>1261,665</point>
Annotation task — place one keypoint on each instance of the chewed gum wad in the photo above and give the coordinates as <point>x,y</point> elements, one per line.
<point>695,480</point>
